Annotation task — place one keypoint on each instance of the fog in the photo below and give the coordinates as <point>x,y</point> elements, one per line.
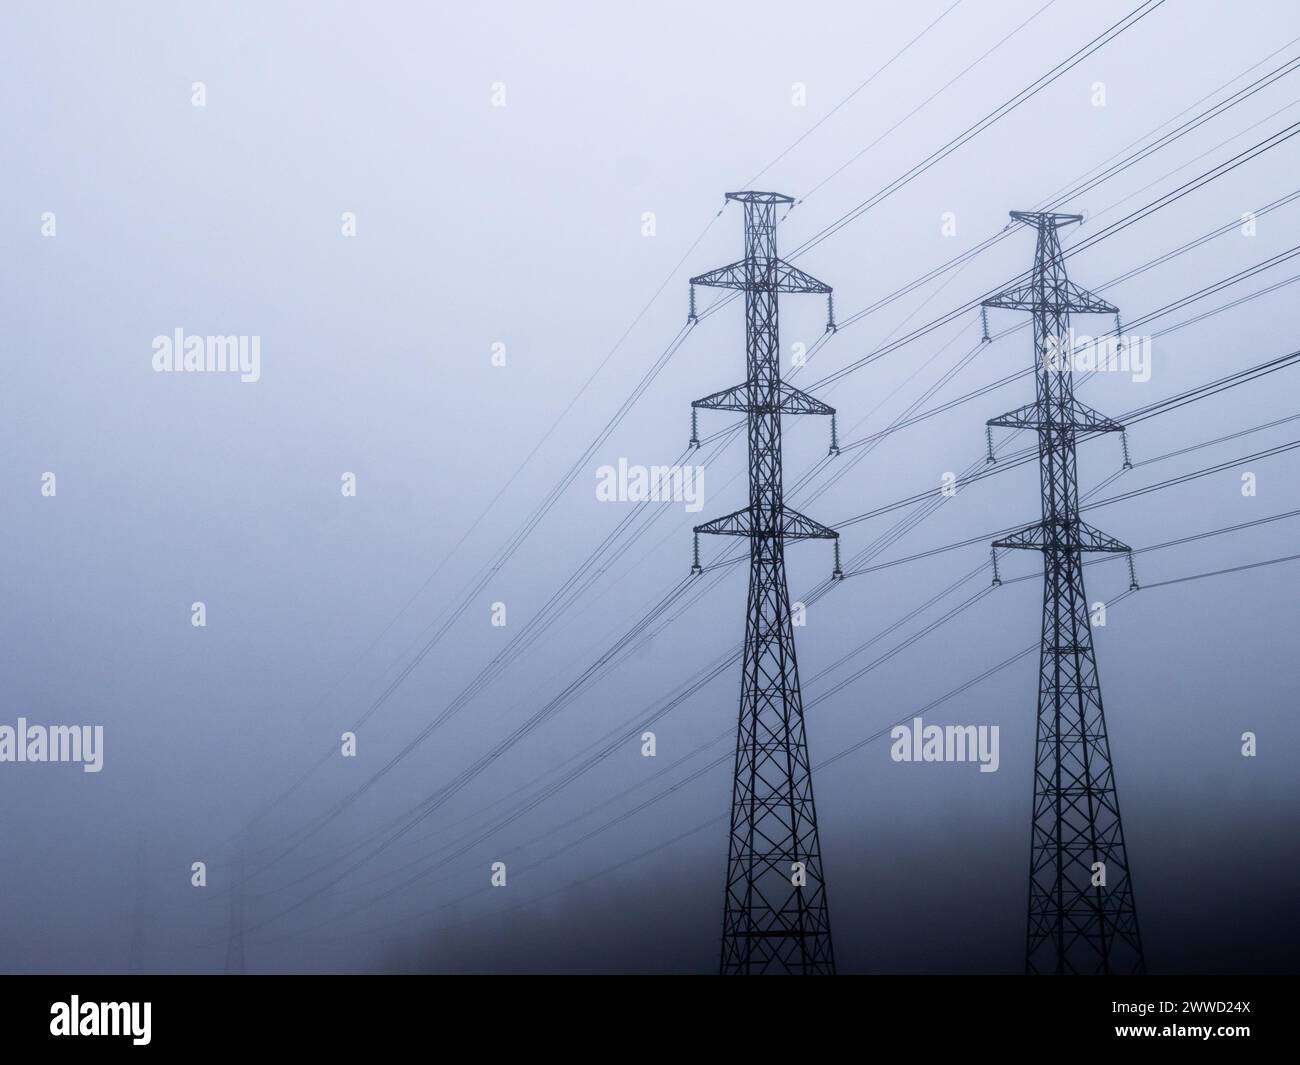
<point>394,198</point>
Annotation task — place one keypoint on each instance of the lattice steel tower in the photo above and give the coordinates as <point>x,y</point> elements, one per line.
<point>1076,924</point>
<point>775,917</point>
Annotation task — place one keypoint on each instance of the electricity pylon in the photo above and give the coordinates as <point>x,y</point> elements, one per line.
<point>235,940</point>
<point>775,916</point>
<point>1082,917</point>
<point>139,917</point>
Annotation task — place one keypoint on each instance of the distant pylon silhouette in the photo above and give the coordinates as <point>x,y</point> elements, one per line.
<point>1082,917</point>
<point>235,941</point>
<point>140,914</point>
<point>775,916</point>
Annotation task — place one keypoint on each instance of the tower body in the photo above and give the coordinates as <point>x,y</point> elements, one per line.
<point>775,915</point>
<point>1082,917</point>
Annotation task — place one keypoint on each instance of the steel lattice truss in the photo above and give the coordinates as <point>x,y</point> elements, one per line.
<point>776,918</point>
<point>1076,924</point>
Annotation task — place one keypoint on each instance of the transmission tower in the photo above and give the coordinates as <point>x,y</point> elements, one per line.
<point>775,917</point>
<point>1082,917</point>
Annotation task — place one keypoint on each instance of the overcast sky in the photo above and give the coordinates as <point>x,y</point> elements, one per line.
<point>501,167</point>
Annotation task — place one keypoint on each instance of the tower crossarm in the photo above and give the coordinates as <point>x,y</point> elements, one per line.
<point>792,526</point>
<point>1076,535</point>
<point>761,273</point>
<point>1063,297</point>
<point>742,397</point>
<point>1082,419</point>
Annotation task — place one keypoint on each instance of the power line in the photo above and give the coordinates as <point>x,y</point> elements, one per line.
<point>924,103</point>
<point>1159,203</point>
<point>646,720</point>
<point>750,182</point>
<point>1220,572</point>
<point>824,764</point>
<point>545,506</point>
<point>853,748</point>
<point>994,116</point>
<point>1087,182</point>
<point>1128,275</point>
<point>1196,394</point>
